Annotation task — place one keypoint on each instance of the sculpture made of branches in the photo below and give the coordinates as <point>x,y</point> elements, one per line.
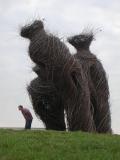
<point>67,83</point>
<point>97,81</point>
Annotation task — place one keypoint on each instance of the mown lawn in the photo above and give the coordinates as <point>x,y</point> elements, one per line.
<point>51,145</point>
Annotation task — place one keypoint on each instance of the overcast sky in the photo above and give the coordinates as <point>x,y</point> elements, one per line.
<point>63,18</point>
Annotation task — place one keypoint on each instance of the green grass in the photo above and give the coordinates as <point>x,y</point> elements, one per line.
<point>51,145</point>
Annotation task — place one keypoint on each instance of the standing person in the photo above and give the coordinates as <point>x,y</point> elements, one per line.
<point>27,115</point>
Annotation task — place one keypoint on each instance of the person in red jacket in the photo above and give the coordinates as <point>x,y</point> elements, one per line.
<point>27,115</point>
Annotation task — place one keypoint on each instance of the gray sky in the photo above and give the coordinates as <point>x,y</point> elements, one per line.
<point>63,18</point>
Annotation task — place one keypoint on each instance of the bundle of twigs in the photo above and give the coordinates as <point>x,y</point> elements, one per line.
<point>97,81</point>
<point>74,84</point>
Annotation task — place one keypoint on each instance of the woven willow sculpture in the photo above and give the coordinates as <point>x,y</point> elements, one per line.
<point>97,81</point>
<point>61,85</point>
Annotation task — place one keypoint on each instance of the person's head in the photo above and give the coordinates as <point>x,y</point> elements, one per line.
<point>20,107</point>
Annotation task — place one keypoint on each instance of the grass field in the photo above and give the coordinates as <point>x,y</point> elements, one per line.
<point>51,145</point>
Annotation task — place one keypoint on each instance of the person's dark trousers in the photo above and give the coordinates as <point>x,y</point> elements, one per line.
<point>28,124</point>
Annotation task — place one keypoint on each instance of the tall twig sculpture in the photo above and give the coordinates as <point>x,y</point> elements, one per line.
<point>97,81</point>
<point>60,80</point>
